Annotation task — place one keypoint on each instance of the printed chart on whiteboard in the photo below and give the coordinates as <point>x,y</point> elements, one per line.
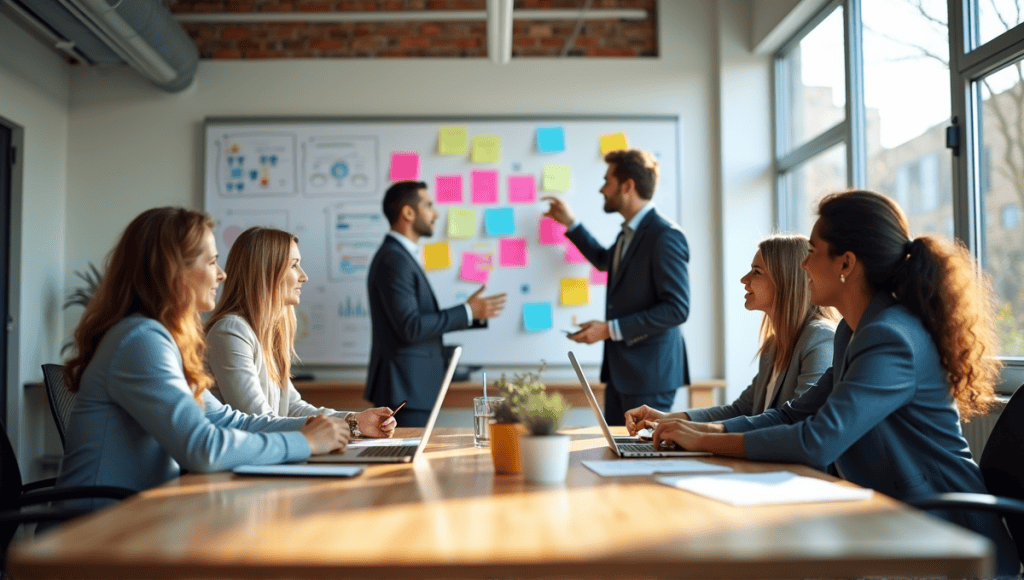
<point>324,180</point>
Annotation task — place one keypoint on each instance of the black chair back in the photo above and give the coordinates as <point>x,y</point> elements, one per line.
<point>61,399</point>
<point>10,492</point>
<point>1002,461</point>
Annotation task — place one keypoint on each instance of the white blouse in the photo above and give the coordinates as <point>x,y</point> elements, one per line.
<point>236,361</point>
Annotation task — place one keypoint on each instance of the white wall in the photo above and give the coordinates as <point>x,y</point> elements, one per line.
<point>133,147</point>
<point>34,94</point>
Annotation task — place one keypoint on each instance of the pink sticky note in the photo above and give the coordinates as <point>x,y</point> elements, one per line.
<point>551,232</point>
<point>473,268</point>
<point>573,255</point>
<point>448,188</point>
<point>512,252</point>
<point>522,189</point>
<point>405,167</point>
<point>484,185</point>
<point>598,278</point>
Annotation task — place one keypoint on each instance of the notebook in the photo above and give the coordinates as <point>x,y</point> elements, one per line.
<point>385,450</point>
<point>624,446</point>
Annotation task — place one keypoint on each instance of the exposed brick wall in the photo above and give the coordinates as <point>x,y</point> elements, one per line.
<point>439,39</point>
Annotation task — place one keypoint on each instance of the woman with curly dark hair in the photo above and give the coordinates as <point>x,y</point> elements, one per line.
<point>914,353</point>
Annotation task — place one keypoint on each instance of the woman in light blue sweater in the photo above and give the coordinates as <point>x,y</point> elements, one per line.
<point>142,410</point>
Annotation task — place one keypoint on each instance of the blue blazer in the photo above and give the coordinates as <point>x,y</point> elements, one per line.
<point>885,415</point>
<point>406,354</point>
<point>812,356</point>
<point>650,297</point>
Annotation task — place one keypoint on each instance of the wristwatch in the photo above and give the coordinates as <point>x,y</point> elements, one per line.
<point>353,426</point>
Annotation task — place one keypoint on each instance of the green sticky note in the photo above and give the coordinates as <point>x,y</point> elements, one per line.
<point>451,140</point>
<point>461,222</point>
<point>486,148</point>
<point>557,177</point>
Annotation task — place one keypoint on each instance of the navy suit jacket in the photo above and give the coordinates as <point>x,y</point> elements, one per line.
<point>650,297</point>
<point>885,414</point>
<point>406,355</point>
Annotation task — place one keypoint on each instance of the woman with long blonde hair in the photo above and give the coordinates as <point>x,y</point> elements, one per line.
<point>914,353</point>
<point>796,336</point>
<point>143,409</point>
<point>251,334</point>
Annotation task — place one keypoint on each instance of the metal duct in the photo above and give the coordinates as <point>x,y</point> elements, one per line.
<point>139,33</point>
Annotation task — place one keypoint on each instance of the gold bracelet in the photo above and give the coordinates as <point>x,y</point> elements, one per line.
<point>353,426</point>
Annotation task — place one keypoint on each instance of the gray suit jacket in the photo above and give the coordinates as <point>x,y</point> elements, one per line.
<point>885,414</point>
<point>811,357</point>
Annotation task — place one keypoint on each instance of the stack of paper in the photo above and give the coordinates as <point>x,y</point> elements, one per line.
<point>622,467</point>
<point>775,487</point>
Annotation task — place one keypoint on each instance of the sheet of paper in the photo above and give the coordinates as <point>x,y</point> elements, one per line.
<point>513,253</point>
<point>575,291</point>
<point>598,278</point>
<point>484,186</point>
<point>405,167</point>
<point>436,256</point>
<point>500,221</point>
<point>451,140</point>
<point>551,232</point>
<point>448,188</point>
<point>623,467</point>
<point>573,255</point>
<point>550,139</point>
<point>474,268</point>
<point>301,470</point>
<point>537,316</point>
<point>557,177</point>
<point>522,189</point>
<point>486,148</point>
<point>461,222</point>
<point>613,142</point>
<point>774,487</point>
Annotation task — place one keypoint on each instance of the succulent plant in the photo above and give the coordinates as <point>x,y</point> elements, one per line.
<point>542,412</point>
<point>526,401</point>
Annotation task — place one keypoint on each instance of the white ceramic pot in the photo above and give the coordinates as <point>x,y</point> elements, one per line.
<point>545,457</point>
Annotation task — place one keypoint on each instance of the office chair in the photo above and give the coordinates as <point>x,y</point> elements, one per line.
<point>15,495</point>
<point>61,400</point>
<point>1003,471</point>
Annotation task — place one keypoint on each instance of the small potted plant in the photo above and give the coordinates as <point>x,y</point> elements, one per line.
<point>507,426</point>
<point>545,453</point>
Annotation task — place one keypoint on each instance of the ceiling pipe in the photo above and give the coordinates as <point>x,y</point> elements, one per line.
<point>499,31</point>
<point>412,16</point>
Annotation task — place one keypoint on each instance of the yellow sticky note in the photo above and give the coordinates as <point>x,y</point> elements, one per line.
<point>557,177</point>
<point>451,140</point>
<point>613,142</point>
<point>486,148</point>
<point>575,291</point>
<point>461,222</point>
<point>436,256</point>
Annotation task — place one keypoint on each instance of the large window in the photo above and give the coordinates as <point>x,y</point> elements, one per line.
<point>905,89</point>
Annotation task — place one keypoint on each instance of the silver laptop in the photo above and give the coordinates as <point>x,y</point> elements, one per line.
<point>394,450</point>
<point>624,446</point>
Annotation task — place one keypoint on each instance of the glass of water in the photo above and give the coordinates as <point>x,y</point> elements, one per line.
<point>483,412</point>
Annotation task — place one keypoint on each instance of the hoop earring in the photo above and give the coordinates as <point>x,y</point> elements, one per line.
<point>842,278</point>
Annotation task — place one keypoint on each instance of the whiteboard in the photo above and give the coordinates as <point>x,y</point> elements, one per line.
<point>324,179</point>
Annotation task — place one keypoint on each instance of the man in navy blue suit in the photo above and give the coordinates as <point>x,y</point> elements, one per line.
<point>406,355</point>
<point>648,289</point>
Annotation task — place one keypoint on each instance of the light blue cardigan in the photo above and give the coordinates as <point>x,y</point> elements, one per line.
<point>885,415</point>
<point>135,423</point>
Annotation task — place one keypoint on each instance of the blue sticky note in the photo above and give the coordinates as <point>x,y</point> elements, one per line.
<point>537,316</point>
<point>500,221</point>
<point>550,139</point>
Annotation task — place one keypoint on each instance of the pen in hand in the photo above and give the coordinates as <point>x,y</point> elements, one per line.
<point>402,404</point>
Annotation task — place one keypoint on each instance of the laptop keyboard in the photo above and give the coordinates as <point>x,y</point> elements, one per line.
<point>386,451</point>
<point>638,448</point>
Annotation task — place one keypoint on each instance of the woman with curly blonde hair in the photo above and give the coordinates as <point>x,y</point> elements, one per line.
<point>143,410</point>
<point>914,353</point>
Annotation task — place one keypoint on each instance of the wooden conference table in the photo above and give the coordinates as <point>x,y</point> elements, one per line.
<point>449,516</point>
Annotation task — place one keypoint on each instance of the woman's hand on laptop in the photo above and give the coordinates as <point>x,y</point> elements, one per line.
<point>635,418</point>
<point>325,434</point>
<point>677,433</point>
<point>377,423</point>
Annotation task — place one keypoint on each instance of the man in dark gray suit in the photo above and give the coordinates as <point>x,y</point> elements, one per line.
<point>648,294</point>
<point>406,356</point>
